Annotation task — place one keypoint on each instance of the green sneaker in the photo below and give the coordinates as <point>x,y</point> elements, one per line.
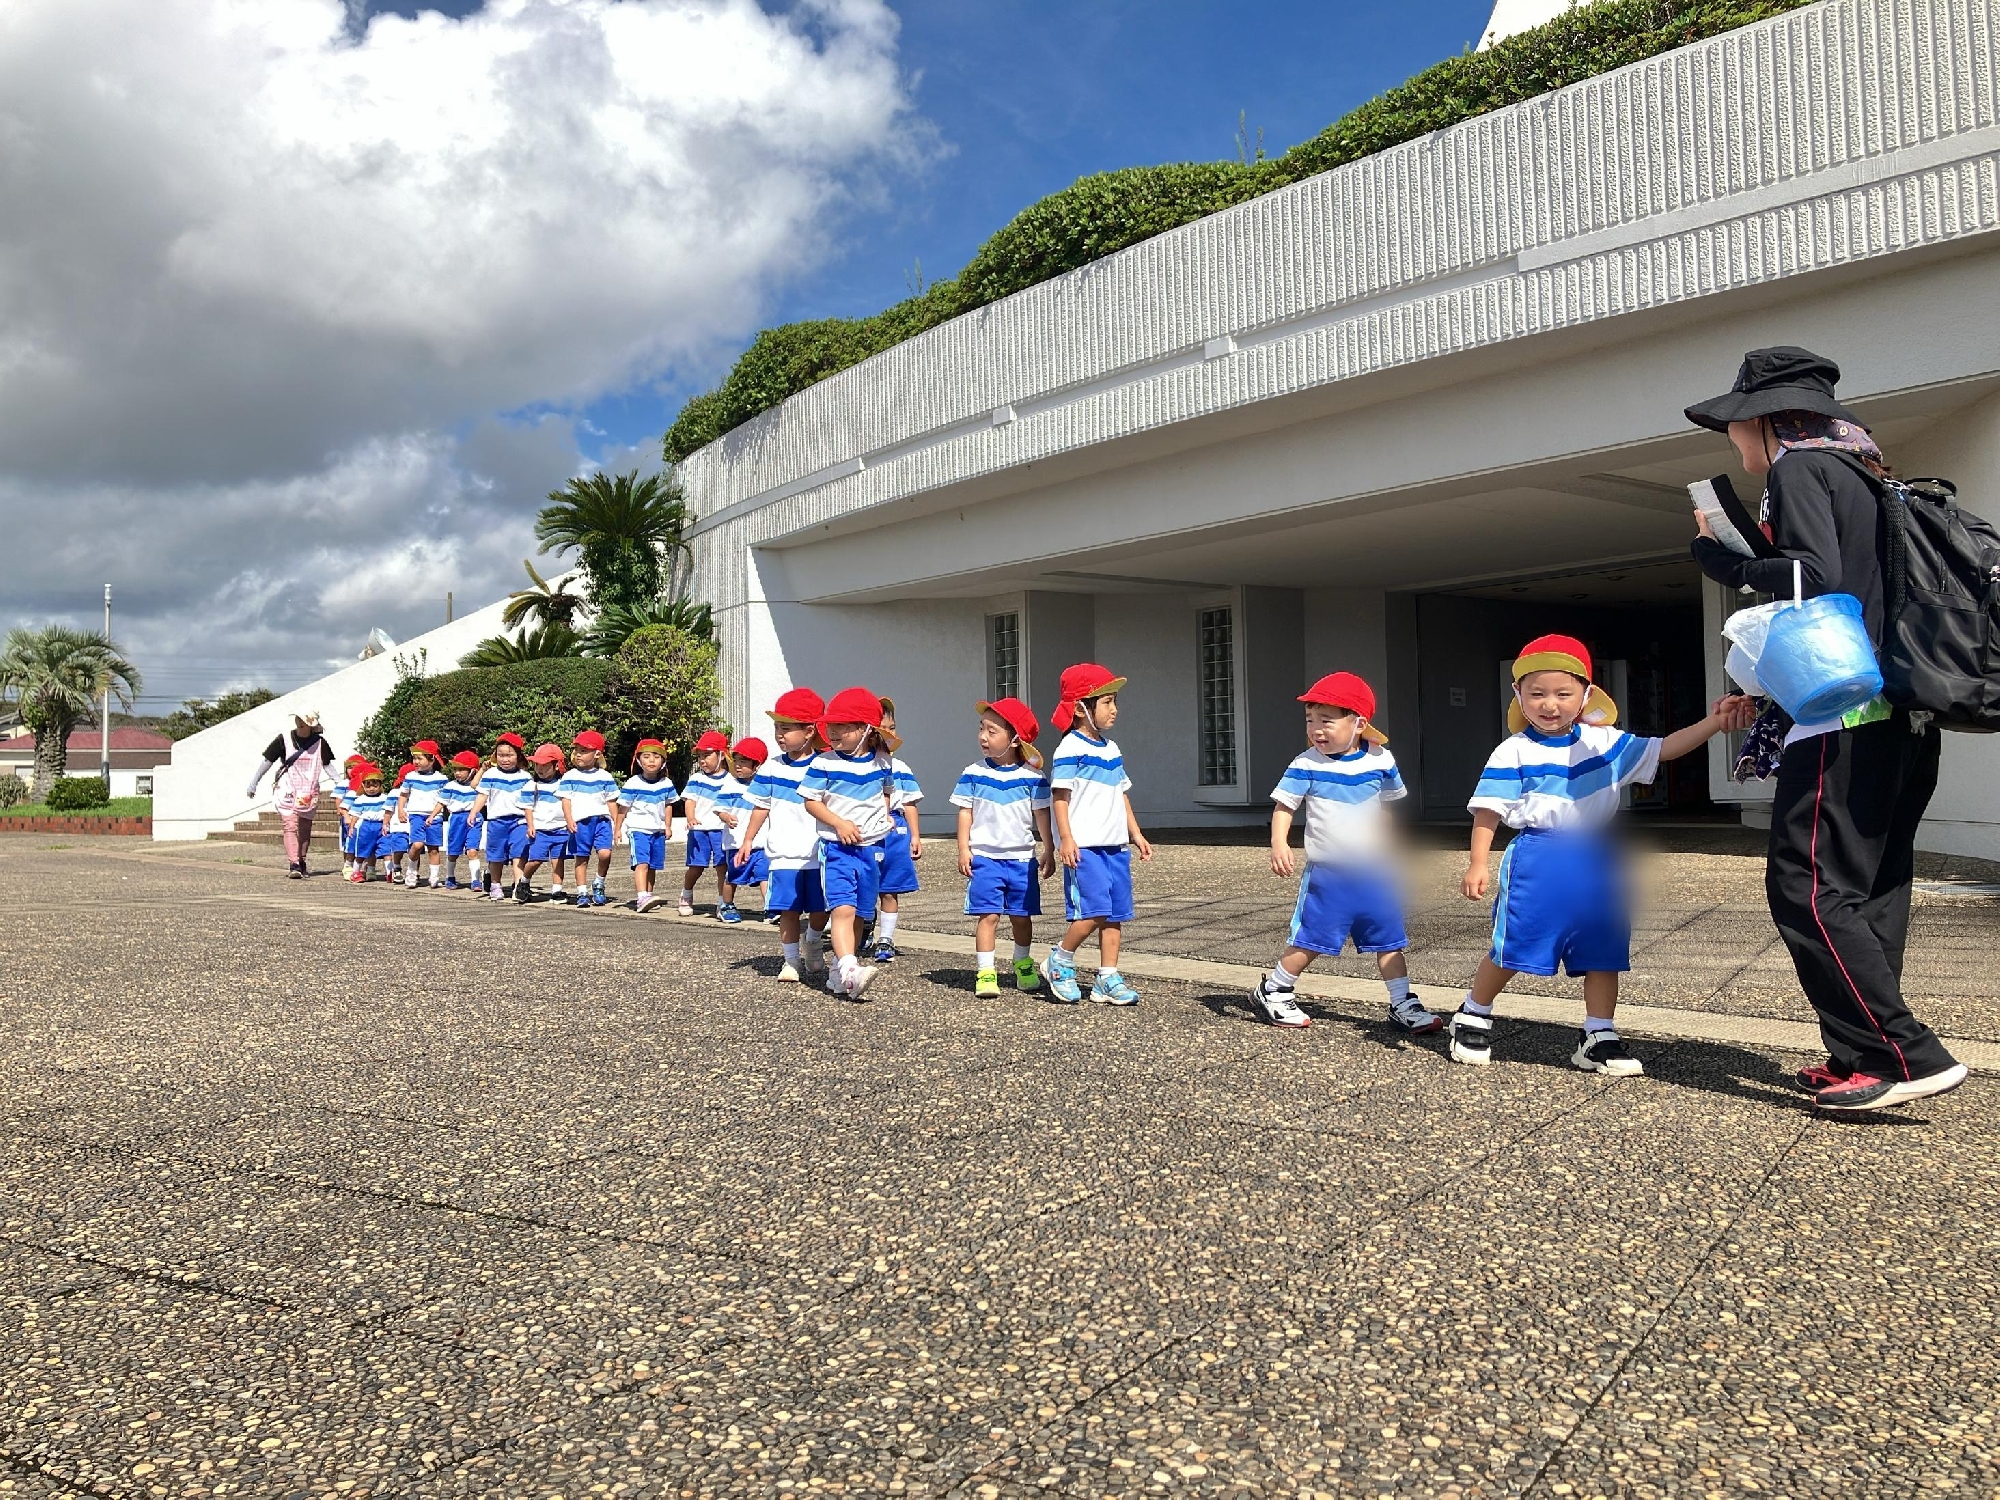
<point>987,985</point>
<point>1027,978</point>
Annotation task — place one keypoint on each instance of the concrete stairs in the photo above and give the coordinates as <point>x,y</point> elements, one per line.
<point>268,828</point>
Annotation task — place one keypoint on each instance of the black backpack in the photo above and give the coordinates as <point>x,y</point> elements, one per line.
<point>1941,618</point>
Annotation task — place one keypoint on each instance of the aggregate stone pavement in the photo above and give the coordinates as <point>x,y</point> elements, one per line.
<point>310,1190</point>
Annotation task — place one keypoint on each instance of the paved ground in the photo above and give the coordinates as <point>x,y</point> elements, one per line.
<point>321,1191</point>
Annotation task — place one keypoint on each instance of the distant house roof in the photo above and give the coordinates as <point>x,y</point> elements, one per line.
<point>132,748</point>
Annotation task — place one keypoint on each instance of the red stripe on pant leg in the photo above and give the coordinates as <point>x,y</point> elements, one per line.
<point>1819,794</point>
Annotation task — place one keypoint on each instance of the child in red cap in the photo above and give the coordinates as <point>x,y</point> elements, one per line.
<point>707,817</point>
<point>396,831</point>
<point>344,791</point>
<point>1339,785</point>
<point>648,798</point>
<point>590,798</point>
<point>849,789</point>
<point>366,806</point>
<point>502,787</point>
<point>461,833</point>
<point>1096,830</point>
<point>547,812</point>
<point>418,807</point>
<point>778,816</point>
<point>748,866</point>
<point>905,844</point>
<point>1003,812</point>
<point>1561,900</point>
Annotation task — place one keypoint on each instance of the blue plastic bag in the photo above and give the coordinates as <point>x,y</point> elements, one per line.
<point>1816,659</point>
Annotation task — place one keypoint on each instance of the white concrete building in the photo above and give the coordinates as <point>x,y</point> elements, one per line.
<point>1398,418</point>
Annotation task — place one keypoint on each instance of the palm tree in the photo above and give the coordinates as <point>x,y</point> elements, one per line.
<point>55,676</point>
<point>614,627</point>
<point>629,534</point>
<point>542,643</point>
<point>549,603</point>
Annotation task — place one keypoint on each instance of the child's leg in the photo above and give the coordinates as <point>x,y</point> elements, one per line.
<point>642,879</point>
<point>1600,1001</point>
<point>1472,1027</point>
<point>841,928</point>
<point>1108,938</point>
<point>984,935</point>
<point>1077,934</point>
<point>1024,935</point>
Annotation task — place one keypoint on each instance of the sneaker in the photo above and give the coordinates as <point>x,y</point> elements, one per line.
<point>1061,975</point>
<point>1471,1039</point>
<point>885,952</point>
<point>1816,1076</point>
<point>812,962</point>
<point>359,877</point>
<point>410,881</point>
<point>1277,1006</point>
<point>1413,1018</point>
<point>1605,1052</point>
<point>597,896</point>
<point>864,976</point>
<point>789,974</point>
<point>1027,978</point>
<point>986,985</point>
<point>772,918</point>
<point>1112,989</point>
<point>686,907</point>
<point>643,900</point>
<point>727,912</point>
<point>1859,1093</point>
<point>583,898</point>
<point>293,872</point>
<point>496,894</point>
<point>451,882</point>
<point>523,892</point>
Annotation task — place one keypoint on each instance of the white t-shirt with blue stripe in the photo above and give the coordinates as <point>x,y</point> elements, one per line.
<point>648,804</point>
<point>422,788</point>
<point>906,789</point>
<point>590,793</point>
<point>1093,773</point>
<point>1003,798</point>
<point>735,798</point>
<point>503,791</point>
<point>703,793</point>
<point>790,833</point>
<point>856,788</point>
<point>457,796</point>
<point>1341,801</point>
<point>1563,781</point>
<point>543,803</point>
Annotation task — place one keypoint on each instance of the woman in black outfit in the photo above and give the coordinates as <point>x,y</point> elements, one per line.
<point>1850,792</point>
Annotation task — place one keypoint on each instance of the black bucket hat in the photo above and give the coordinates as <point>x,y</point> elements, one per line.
<point>1771,381</point>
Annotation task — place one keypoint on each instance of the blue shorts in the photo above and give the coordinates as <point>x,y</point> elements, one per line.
<point>462,834</point>
<point>796,890</point>
<point>591,835</point>
<point>506,838</point>
<point>1099,886</point>
<point>649,849</point>
<point>754,870</point>
<point>347,838</point>
<point>396,841</point>
<point>706,848</point>
<point>426,833</point>
<point>367,841</point>
<point>850,875</point>
<point>1337,903</point>
<point>551,845</point>
<point>1003,887</point>
<point>1561,902</point>
<point>899,871</point>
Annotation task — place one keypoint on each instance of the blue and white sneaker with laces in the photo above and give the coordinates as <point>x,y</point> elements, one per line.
<point>597,896</point>
<point>1060,972</point>
<point>1111,988</point>
<point>727,912</point>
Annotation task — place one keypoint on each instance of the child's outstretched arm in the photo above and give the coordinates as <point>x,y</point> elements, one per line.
<point>1134,833</point>
<point>1485,823</point>
<point>1281,841</point>
<point>1728,713</point>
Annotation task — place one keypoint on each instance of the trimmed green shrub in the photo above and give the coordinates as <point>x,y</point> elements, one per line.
<point>78,793</point>
<point>542,700</point>
<point>667,688</point>
<point>1102,214</point>
<point>13,790</point>
<point>384,738</point>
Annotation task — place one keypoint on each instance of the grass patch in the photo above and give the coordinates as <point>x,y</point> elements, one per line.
<point>117,807</point>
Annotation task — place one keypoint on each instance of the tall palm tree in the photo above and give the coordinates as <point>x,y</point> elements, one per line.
<point>630,534</point>
<point>55,676</point>
<point>548,603</point>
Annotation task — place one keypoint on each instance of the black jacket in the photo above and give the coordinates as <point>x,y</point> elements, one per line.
<point>1824,513</point>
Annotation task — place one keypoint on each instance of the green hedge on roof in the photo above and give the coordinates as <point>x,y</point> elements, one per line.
<point>1099,215</point>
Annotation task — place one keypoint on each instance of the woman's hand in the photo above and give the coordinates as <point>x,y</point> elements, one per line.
<point>1701,525</point>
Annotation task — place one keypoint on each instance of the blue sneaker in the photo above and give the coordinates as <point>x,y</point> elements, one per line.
<point>597,896</point>
<point>727,912</point>
<point>583,898</point>
<point>451,882</point>
<point>1061,975</point>
<point>1110,988</point>
<point>885,952</point>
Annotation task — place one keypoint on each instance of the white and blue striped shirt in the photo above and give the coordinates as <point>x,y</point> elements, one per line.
<point>906,789</point>
<point>702,794</point>
<point>1003,798</point>
<point>590,793</point>
<point>543,803</point>
<point>457,796</point>
<point>1563,781</point>
<point>790,833</point>
<point>1093,773</point>
<point>649,805</point>
<point>502,791</point>
<point>1341,801</point>
<point>735,798</point>
<point>856,788</point>
<point>421,788</point>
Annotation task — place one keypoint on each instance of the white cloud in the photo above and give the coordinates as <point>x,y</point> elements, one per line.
<point>253,264</point>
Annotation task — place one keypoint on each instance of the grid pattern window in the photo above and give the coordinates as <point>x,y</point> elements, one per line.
<point>1003,656</point>
<point>1218,697</point>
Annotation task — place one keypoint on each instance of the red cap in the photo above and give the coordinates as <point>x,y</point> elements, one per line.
<point>1020,718</point>
<point>405,771</point>
<point>752,749</point>
<point>715,739</point>
<point>799,706</point>
<point>361,769</point>
<point>1085,680</point>
<point>467,758</point>
<point>430,748</point>
<point>589,739</point>
<point>354,760</point>
<point>1560,653</point>
<point>855,705</point>
<point>511,738</point>
<point>642,747</point>
<point>547,755</point>
<point>1345,690</point>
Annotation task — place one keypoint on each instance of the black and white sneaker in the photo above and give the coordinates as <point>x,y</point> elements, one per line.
<point>1471,1039</point>
<point>1277,1007</point>
<point>1605,1052</point>
<point>1410,1015</point>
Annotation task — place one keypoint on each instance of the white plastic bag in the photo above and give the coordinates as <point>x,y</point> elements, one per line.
<point>1746,629</point>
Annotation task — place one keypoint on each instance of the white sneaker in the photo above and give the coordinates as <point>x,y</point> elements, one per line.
<point>858,982</point>
<point>686,907</point>
<point>1605,1052</point>
<point>1278,1007</point>
<point>789,974</point>
<point>812,961</point>
<point>410,880</point>
<point>1471,1039</point>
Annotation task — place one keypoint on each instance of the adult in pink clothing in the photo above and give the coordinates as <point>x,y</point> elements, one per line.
<point>297,763</point>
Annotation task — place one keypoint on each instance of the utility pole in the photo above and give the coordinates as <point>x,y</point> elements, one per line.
<point>104,739</point>
<point>447,606</point>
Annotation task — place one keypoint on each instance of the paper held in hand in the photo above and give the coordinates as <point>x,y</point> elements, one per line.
<point>1727,519</point>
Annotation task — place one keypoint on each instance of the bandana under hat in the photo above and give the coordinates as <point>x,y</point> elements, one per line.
<point>1560,653</point>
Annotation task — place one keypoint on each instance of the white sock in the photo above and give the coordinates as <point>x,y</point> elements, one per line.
<point>556,889</point>
<point>813,939</point>
<point>1063,955</point>
<point>1278,981</point>
<point>1021,951</point>
<point>792,954</point>
<point>1104,973</point>
<point>847,966</point>
<point>1399,989</point>
<point>983,962</point>
<point>1473,1007</point>
<point>885,927</point>
<point>1594,1024</point>
<point>437,873</point>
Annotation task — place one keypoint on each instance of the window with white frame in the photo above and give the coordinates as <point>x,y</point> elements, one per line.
<point>1217,633</point>
<point>1003,656</point>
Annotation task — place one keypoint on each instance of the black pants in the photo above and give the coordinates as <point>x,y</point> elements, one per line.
<point>1843,839</point>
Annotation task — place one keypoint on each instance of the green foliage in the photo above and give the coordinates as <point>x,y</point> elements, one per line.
<point>665,687</point>
<point>543,643</point>
<point>13,790</point>
<point>627,533</point>
<point>547,603</point>
<point>117,807</point>
<point>57,676</point>
<point>549,699</point>
<point>383,738</point>
<point>197,714</point>
<point>1102,214</point>
<point>78,793</point>
<point>613,628</point>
